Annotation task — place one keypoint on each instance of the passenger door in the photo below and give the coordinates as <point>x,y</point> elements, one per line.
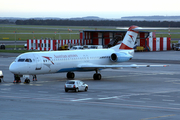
<point>38,62</point>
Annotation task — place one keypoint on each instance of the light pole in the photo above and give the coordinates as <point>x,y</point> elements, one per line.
<point>15,39</point>
<point>59,35</point>
<point>33,35</point>
<point>70,33</point>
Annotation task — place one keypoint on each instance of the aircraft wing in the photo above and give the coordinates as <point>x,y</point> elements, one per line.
<point>94,66</point>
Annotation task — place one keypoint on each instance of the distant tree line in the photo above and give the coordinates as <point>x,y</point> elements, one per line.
<point>68,22</point>
<point>6,22</point>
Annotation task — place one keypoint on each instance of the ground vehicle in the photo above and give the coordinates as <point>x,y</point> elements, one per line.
<point>177,46</point>
<point>1,75</point>
<point>75,85</point>
<point>25,45</point>
<point>2,46</point>
<point>92,47</point>
<point>76,47</point>
<point>65,47</point>
<point>87,47</point>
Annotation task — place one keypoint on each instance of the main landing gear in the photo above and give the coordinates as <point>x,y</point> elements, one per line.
<point>70,75</point>
<point>17,78</point>
<point>97,76</point>
<point>34,78</point>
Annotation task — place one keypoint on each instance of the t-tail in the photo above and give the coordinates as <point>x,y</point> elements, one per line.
<point>125,49</point>
<point>129,39</point>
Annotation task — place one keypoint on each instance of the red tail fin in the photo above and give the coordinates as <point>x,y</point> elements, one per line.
<point>129,39</point>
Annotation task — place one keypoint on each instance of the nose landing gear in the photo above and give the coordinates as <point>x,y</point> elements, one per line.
<point>26,80</point>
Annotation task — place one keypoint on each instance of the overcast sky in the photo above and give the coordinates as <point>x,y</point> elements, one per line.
<point>82,8</point>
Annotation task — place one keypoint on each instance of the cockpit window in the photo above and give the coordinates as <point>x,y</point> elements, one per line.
<point>21,60</point>
<point>28,60</point>
<point>24,60</point>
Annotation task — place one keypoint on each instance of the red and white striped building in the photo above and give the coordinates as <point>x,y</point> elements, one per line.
<point>159,44</point>
<point>101,38</point>
<point>46,45</point>
<point>155,44</point>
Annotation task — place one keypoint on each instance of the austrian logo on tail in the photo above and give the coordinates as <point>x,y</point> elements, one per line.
<point>131,37</point>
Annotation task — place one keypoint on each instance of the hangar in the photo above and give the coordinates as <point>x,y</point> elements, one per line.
<point>106,38</point>
<point>146,40</point>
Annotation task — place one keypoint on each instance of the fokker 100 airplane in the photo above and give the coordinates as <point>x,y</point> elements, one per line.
<point>34,63</point>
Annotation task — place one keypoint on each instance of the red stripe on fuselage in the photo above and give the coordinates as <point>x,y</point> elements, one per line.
<point>123,46</point>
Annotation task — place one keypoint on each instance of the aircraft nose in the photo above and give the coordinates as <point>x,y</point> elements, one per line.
<point>13,68</point>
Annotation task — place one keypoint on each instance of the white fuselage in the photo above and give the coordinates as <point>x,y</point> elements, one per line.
<point>32,63</point>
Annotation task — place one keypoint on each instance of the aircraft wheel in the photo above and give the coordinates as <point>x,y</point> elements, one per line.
<point>27,81</point>
<point>97,76</point>
<point>70,75</point>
